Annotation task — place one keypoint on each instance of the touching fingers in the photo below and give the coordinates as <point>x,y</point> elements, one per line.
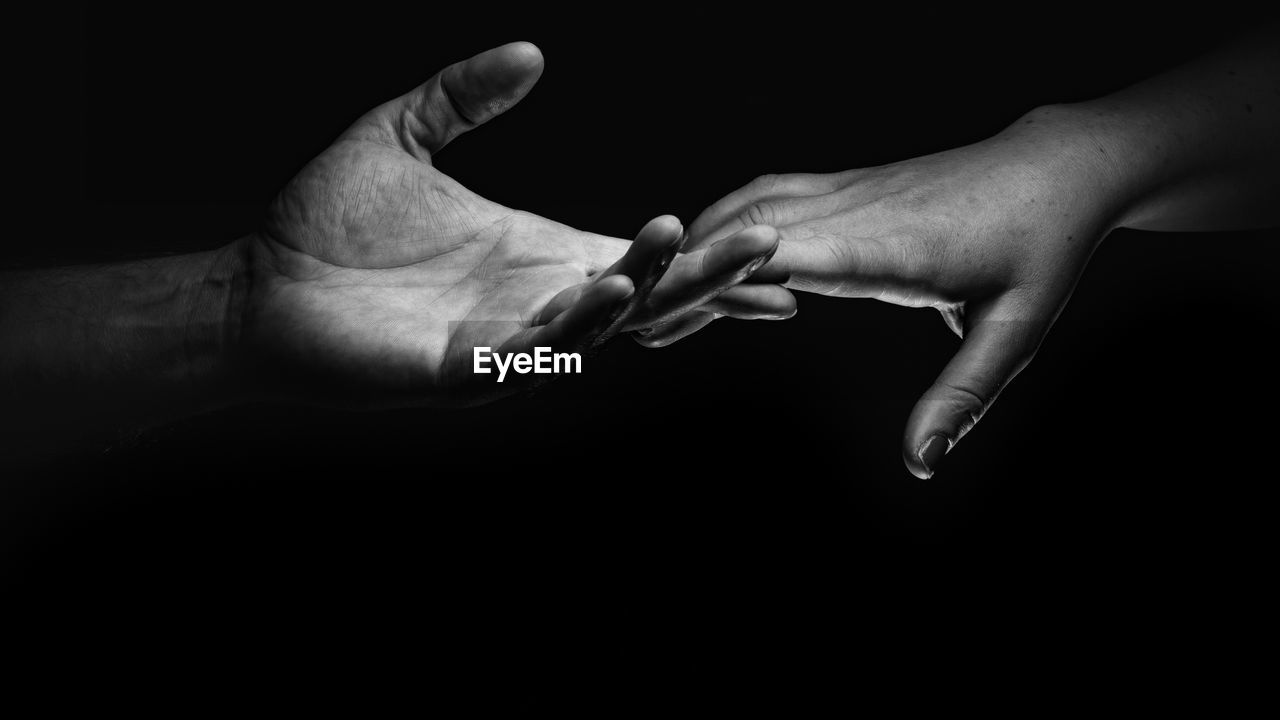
<point>676,330</point>
<point>819,258</point>
<point>695,278</point>
<point>753,203</point>
<point>741,302</point>
<point>651,252</point>
<point>777,211</point>
<point>645,262</point>
<point>585,322</point>
<point>753,302</point>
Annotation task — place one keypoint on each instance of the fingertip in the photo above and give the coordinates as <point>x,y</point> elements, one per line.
<point>755,241</point>
<point>789,305</point>
<point>615,288</point>
<point>757,238</point>
<point>660,339</point>
<point>676,330</point>
<point>915,469</point>
<point>496,79</point>
<point>490,83</point>
<point>647,341</point>
<point>911,458</point>
<point>522,57</point>
<point>524,51</point>
<point>754,302</point>
<point>663,230</point>
<point>764,235</point>
<point>653,249</point>
<point>759,242</point>
<point>669,221</point>
<point>922,457</point>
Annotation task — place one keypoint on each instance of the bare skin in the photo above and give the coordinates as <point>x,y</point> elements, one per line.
<point>996,234</point>
<point>371,281</point>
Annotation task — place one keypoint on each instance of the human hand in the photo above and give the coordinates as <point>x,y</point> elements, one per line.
<point>376,274</point>
<point>993,235</point>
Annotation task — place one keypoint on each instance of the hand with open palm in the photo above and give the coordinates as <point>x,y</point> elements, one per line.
<point>376,274</point>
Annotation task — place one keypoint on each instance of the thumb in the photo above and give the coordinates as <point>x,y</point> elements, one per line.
<point>459,98</point>
<point>998,344</point>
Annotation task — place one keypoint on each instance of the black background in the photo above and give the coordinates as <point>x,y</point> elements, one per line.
<point>725,524</point>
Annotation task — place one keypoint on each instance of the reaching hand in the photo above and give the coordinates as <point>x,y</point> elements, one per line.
<point>377,271</point>
<point>993,235</point>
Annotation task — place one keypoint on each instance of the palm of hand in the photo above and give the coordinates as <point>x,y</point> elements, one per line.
<point>382,264</point>
<point>377,272</point>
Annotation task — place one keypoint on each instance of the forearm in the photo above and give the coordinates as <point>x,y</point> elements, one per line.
<point>119,346</point>
<point>1197,148</point>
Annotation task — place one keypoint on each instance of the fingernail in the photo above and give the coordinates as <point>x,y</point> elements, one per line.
<point>620,305</point>
<point>932,452</point>
<point>759,262</point>
<point>751,267</point>
<point>609,325</point>
<point>772,251</point>
<point>670,254</point>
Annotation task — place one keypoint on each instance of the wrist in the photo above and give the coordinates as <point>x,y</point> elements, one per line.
<point>1092,158</point>
<point>214,326</point>
<point>123,346</point>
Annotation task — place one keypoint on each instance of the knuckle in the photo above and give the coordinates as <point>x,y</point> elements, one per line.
<point>906,197</point>
<point>838,180</point>
<point>758,213</point>
<point>764,183</point>
<point>912,258</point>
<point>965,402</point>
<point>964,396</point>
<point>915,263</point>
